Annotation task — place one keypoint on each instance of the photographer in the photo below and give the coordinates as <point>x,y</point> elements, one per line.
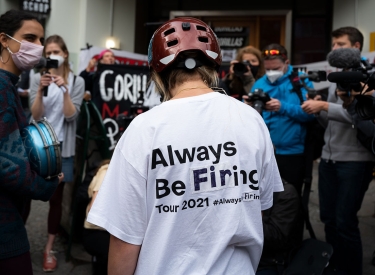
<point>283,115</point>
<point>243,72</point>
<point>345,169</point>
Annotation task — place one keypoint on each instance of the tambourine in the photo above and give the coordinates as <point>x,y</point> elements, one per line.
<point>42,148</point>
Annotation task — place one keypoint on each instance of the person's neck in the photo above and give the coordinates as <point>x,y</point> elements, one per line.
<point>190,88</point>
<point>10,67</point>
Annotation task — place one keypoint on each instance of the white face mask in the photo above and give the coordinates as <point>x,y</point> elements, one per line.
<point>274,75</point>
<point>59,59</point>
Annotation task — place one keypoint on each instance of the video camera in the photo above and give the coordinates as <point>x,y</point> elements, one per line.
<point>124,120</point>
<point>357,74</point>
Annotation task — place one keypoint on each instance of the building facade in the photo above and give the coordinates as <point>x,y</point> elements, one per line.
<point>303,27</point>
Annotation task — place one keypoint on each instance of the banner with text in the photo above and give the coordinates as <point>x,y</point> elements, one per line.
<point>116,89</point>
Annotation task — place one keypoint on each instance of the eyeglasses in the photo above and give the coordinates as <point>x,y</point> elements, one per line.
<point>273,52</point>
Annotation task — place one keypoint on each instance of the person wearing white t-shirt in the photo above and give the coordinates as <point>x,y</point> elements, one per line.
<point>189,178</point>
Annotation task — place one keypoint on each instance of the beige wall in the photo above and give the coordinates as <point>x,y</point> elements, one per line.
<point>8,5</point>
<point>355,13</point>
<point>88,21</point>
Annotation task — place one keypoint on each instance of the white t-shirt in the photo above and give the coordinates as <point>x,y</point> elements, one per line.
<point>53,107</point>
<point>187,181</point>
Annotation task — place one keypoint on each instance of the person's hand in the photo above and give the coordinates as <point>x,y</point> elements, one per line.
<point>45,81</point>
<point>231,72</point>
<point>91,65</point>
<point>314,106</point>
<point>273,105</point>
<point>60,177</point>
<point>246,100</point>
<point>58,80</point>
<point>87,96</point>
<point>25,93</point>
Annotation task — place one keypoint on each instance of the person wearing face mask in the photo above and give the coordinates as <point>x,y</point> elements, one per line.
<point>21,38</point>
<point>283,114</point>
<point>57,95</point>
<point>243,72</point>
<point>105,57</point>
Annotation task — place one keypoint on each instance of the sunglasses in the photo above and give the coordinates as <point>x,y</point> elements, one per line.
<point>273,52</point>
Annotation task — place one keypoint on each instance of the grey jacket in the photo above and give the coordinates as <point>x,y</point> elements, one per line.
<point>340,137</point>
<point>70,123</point>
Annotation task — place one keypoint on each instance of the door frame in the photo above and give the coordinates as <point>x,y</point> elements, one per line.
<point>286,13</point>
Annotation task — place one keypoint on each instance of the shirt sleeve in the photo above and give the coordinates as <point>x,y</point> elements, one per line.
<point>270,180</point>
<point>120,206</point>
<point>16,176</point>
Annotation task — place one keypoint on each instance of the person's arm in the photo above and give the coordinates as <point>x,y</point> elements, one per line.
<point>89,79</point>
<point>16,176</point>
<point>36,97</point>
<point>330,110</point>
<point>294,111</point>
<point>74,100</point>
<point>122,257</point>
<point>279,224</point>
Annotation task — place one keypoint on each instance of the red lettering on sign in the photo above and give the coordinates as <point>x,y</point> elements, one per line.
<point>107,112</point>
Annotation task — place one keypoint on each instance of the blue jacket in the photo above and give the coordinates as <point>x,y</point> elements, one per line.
<point>287,126</point>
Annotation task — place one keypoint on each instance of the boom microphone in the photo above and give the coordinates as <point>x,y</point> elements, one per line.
<point>345,58</point>
<point>346,77</point>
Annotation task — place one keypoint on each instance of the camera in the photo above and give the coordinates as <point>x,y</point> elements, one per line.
<point>241,68</point>
<point>47,63</point>
<point>124,120</point>
<point>259,98</point>
<point>357,78</point>
<point>315,76</point>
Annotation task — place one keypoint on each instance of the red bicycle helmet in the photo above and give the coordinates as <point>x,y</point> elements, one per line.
<point>182,34</point>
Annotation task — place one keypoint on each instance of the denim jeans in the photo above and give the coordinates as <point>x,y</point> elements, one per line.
<point>342,186</point>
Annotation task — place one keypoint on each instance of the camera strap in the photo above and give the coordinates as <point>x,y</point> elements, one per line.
<point>296,83</point>
<point>297,88</point>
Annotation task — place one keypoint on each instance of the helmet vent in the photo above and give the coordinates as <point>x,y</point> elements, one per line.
<point>172,43</point>
<point>167,32</point>
<point>203,39</point>
<point>201,28</point>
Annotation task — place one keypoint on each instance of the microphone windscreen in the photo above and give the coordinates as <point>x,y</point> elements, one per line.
<point>346,77</point>
<point>42,63</point>
<point>345,58</point>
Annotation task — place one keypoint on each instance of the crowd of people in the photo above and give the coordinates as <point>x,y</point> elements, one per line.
<point>204,183</point>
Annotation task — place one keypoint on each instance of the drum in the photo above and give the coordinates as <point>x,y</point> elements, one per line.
<point>42,148</point>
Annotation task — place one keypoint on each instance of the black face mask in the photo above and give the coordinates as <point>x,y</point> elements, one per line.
<point>254,70</point>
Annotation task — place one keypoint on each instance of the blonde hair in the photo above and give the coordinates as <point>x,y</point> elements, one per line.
<point>164,82</point>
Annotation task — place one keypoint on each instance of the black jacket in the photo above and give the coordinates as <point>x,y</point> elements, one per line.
<point>280,225</point>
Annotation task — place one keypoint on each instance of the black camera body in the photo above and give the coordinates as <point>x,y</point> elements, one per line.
<point>49,63</point>
<point>315,76</point>
<point>259,98</point>
<point>241,68</point>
